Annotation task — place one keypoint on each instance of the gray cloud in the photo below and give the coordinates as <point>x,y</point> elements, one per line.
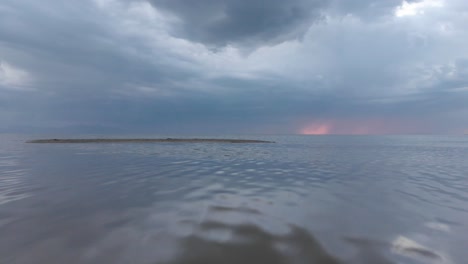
<point>224,22</point>
<point>254,23</point>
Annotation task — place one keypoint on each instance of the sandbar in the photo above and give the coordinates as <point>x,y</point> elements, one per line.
<point>146,140</point>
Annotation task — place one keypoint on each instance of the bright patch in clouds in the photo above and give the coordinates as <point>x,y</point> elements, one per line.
<point>12,77</point>
<point>417,8</point>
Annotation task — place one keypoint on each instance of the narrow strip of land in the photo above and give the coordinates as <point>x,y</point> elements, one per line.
<point>147,140</point>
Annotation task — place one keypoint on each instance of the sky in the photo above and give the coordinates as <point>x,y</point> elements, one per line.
<point>234,66</point>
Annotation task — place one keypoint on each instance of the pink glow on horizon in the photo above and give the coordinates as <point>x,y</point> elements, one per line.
<point>357,127</point>
<point>316,129</point>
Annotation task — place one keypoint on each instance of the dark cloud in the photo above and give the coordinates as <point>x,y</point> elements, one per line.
<point>253,23</point>
<point>247,22</point>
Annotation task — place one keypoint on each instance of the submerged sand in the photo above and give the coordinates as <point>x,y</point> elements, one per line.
<point>148,140</point>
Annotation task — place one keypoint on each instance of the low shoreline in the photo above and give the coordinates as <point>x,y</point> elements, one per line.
<point>147,140</point>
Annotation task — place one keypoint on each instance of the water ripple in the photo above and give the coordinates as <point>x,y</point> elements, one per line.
<point>337,199</point>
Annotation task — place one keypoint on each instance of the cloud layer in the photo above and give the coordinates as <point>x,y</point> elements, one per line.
<point>224,66</point>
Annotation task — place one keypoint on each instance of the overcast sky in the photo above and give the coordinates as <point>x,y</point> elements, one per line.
<point>234,66</point>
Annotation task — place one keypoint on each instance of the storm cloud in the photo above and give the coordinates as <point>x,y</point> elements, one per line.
<point>255,22</point>
<point>222,66</point>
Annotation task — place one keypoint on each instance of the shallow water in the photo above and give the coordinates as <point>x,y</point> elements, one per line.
<point>305,199</point>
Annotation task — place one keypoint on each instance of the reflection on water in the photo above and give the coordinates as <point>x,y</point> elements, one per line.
<point>303,200</point>
<point>248,243</point>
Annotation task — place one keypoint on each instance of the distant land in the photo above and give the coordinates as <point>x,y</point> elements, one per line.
<point>147,140</point>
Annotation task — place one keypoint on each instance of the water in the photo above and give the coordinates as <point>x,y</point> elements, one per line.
<point>305,199</point>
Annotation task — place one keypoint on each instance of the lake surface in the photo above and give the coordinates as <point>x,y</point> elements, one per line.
<point>305,199</point>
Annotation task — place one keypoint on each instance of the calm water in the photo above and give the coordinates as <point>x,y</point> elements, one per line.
<point>305,199</point>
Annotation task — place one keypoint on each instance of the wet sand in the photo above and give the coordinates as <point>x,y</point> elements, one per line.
<point>148,140</point>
